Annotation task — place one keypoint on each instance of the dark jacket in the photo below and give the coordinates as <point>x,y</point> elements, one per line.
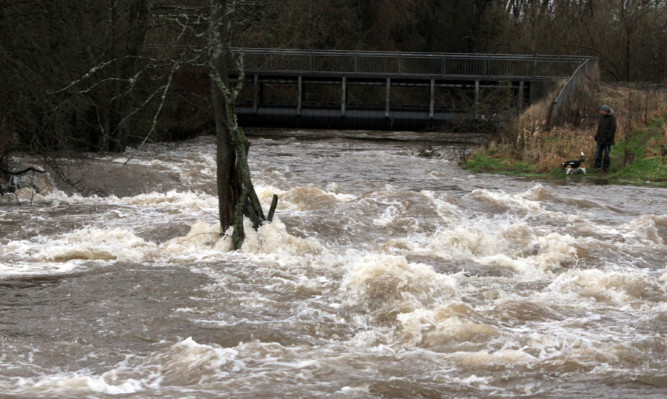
<point>606,130</point>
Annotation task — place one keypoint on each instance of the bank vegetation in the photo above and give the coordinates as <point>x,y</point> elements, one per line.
<point>529,145</point>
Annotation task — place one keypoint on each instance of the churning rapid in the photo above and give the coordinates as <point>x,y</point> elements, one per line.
<point>385,274</point>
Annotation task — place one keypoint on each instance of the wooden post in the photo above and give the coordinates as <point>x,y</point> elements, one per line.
<point>521,96</point>
<point>272,209</point>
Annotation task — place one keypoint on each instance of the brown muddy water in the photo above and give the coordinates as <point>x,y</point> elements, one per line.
<point>385,275</point>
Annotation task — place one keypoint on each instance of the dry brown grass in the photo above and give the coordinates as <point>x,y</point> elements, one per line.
<point>527,140</point>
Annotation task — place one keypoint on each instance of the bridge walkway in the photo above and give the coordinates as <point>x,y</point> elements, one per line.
<point>389,90</point>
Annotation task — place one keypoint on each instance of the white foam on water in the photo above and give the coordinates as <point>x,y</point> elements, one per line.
<point>554,252</point>
<point>504,241</point>
<point>663,277</point>
<point>273,238</point>
<point>78,385</point>
<point>444,324</point>
<point>395,276</point>
<point>530,204</point>
<point>13,250</point>
<point>507,243</point>
<point>540,193</point>
<point>203,239</point>
<point>638,233</point>
<point>543,194</point>
<point>203,242</point>
<point>301,198</point>
<point>16,269</point>
<point>643,230</point>
<point>56,197</point>
<point>186,363</point>
<point>486,358</point>
<point>192,201</point>
<point>186,201</point>
<point>473,380</point>
<point>189,363</point>
<point>385,290</point>
<point>443,205</point>
<point>95,244</point>
<point>571,350</point>
<point>362,389</point>
<point>659,313</point>
<point>507,201</point>
<point>629,288</point>
<point>468,241</point>
<point>388,217</point>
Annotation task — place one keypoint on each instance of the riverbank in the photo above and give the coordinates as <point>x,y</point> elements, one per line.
<point>639,156</point>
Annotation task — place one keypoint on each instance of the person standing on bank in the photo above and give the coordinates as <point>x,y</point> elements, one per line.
<point>605,138</point>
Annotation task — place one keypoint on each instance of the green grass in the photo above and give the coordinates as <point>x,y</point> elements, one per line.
<point>649,169</point>
<point>629,162</point>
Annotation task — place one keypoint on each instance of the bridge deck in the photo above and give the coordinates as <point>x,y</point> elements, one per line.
<point>519,78</point>
<point>396,64</point>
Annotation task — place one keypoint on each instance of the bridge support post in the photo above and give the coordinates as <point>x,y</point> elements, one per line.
<point>343,96</point>
<point>431,101</point>
<point>255,93</point>
<point>521,87</point>
<point>300,95</point>
<point>387,99</point>
<point>476,93</point>
<point>476,112</point>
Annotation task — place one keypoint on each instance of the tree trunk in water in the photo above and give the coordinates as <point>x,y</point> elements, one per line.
<point>227,176</point>
<point>236,193</point>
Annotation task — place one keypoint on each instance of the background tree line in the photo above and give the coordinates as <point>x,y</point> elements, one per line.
<point>100,75</point>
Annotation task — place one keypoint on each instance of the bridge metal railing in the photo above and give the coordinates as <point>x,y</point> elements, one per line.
<point>573,93</point>
<point>409,64</point>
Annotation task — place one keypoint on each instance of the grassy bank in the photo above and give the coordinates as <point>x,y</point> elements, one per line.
<point>640,153</point>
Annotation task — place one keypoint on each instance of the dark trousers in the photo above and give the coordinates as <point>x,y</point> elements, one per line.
<point>599,160</point>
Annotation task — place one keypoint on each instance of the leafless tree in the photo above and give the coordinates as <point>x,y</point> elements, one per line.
<point>237,196</point>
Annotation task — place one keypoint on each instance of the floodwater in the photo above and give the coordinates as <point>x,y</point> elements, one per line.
<point>385,274</point>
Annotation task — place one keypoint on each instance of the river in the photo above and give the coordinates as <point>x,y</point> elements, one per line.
<point>385,274</point>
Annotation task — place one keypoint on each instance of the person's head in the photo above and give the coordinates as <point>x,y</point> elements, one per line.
<point>605,110</point>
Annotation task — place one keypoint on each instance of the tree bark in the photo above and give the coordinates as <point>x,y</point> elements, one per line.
<point>227,177</point>
<point>236,195</point>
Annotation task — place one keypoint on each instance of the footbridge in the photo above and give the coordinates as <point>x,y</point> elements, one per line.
<point>390,90</point>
